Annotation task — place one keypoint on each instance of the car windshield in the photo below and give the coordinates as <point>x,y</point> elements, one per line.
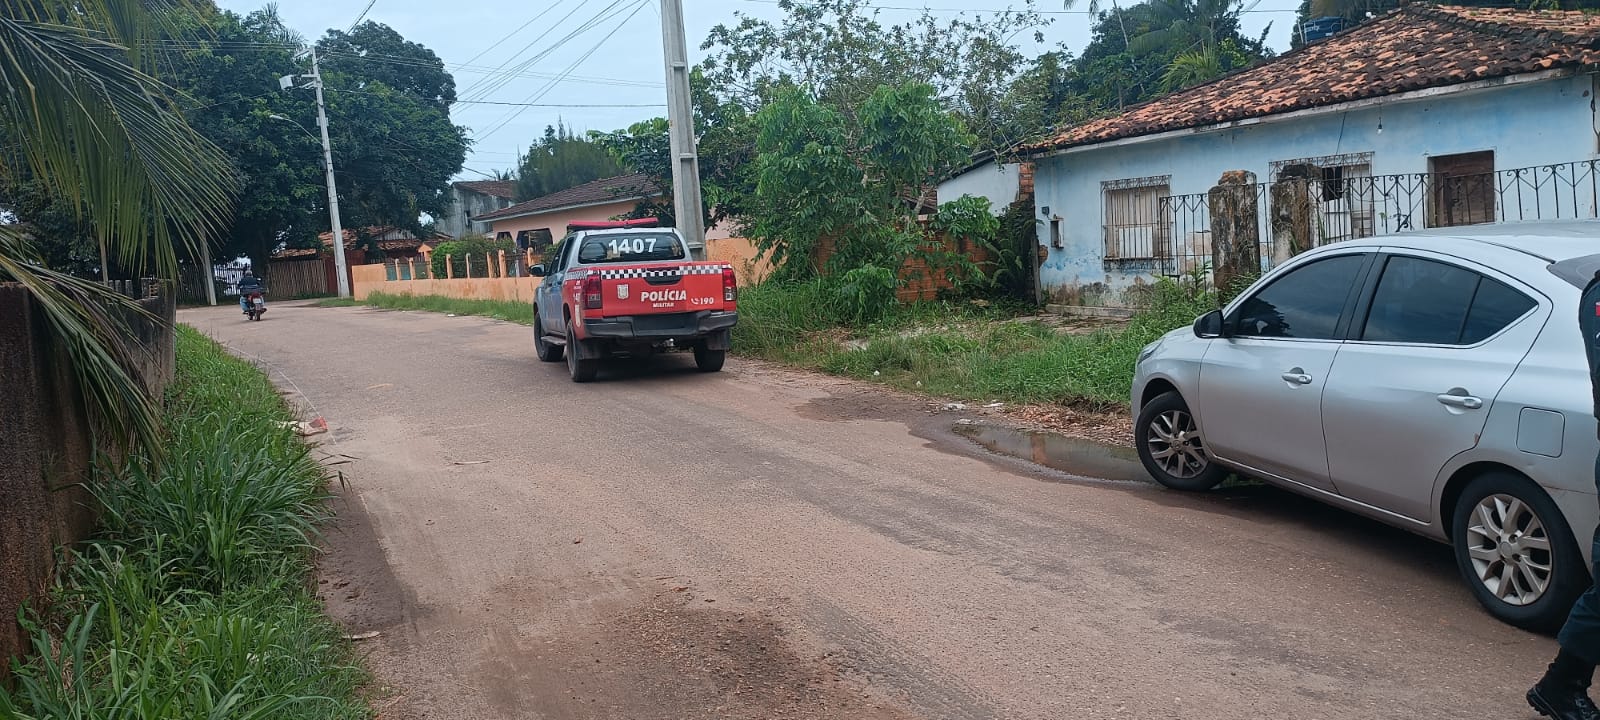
<point>632,247</point>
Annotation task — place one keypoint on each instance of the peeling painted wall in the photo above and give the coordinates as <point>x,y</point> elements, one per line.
<point>1545,122</point>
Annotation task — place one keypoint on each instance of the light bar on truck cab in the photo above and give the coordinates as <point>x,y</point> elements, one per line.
<point>614,224</point>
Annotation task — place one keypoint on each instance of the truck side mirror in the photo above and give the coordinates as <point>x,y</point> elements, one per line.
<point>538,271</point>
<point>1209,325</point>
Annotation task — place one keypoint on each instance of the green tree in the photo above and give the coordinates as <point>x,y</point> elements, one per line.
<point>228,73</point>
<point>840,53</point>
<point>97,133</point>
<point>394,146</point>
<point>725,145</point>
<point>1133,49</point>
<point>562,159</point>
<point>821,175</point>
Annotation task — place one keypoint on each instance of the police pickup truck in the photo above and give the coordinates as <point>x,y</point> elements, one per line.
<point>630,288</point>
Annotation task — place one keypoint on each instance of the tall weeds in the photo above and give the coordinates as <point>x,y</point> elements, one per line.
<point>192,601</point>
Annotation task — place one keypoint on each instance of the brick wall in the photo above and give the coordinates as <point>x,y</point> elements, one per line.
<point>919,282</point>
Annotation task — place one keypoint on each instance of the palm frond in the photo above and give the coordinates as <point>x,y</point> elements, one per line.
<point>91,324</point>
<point>103,135</point>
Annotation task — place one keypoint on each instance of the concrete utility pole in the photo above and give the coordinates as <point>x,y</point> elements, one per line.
<point>680,119</point>
<point>341,269</point>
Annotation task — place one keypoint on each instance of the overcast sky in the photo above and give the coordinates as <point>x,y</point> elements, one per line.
<point>623,66</point>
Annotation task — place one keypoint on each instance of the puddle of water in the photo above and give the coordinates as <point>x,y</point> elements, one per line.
<point>1073,456</point>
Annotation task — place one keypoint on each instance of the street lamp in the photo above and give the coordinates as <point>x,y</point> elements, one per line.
<point>286,82</point>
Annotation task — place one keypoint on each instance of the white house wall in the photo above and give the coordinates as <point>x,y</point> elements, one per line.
<point>1547,122</point>
<point>998,183</point>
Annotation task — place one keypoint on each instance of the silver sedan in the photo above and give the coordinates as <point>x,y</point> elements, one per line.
<point>1433,381</point>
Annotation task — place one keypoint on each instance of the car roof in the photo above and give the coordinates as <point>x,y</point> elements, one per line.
<point>1570,248</point>
<point>1552,241</point>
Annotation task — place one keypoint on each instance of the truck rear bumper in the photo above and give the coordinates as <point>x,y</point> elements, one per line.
<point>661,327</point>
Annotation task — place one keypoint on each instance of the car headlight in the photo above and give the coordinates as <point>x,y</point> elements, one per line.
<point>1148,351</point>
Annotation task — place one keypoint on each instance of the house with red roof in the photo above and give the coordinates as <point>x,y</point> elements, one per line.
<point>1428,116</point>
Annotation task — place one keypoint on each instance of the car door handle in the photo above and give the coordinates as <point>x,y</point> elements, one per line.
<point>1467,402</point>
<point>1296,376</point>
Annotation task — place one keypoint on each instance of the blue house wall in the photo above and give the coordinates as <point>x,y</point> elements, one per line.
<point>1542,122</point>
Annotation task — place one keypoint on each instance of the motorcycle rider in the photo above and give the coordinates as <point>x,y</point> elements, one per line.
<point>248,285</point>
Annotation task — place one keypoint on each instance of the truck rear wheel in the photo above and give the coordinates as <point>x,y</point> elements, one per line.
<point>709,360</point>
<point>582,371</point>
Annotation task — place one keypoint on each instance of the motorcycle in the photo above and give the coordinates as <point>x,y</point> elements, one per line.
<point>253,303</point>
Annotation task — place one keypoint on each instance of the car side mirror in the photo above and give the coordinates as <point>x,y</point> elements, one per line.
<point>1209,325</point>
<point>538,271</point>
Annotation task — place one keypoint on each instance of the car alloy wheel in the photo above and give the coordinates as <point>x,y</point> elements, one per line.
<point>1516,551</point>
<point>1171,448</point>
<point>1509,549</point>
<point>1174,443</point>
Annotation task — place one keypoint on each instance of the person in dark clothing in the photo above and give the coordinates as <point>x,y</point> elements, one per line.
<point>248,284</point>
<point>1563,692</point>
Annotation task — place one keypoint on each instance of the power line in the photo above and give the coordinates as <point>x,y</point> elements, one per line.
<point>525,48</point>
<point>490,85</point>
<point>639,5</point>
<point>976,10</point>
<point>362,16</point>
<point>514,104</point>
<point>240,46</point>
<point>520,28</point>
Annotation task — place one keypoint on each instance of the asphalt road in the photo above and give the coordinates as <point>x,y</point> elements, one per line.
<point>767,544</point>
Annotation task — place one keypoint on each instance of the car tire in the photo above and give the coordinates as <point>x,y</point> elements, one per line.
<point>709,361</point>
<point>548,352</point>
<point>1185,466</point>
<point>582,371</point>
<point>1496,514</point>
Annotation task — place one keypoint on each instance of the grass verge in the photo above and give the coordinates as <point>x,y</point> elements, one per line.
<point>950,349</point>
<point>959,351</point>
<point>193,599</point>
<point>521,313</point>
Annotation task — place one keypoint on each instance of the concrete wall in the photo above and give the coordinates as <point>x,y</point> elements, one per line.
<point>368,279</point>
<point>1545,122</point>
<point>1000,184</point>
<point>466,204</point>
<point>46,448</point>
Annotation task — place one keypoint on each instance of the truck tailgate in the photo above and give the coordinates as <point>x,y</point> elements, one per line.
<point>662,288</point>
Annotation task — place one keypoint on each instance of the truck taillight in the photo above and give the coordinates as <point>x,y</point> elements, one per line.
<point>591,291</point>
<point>730,285</point>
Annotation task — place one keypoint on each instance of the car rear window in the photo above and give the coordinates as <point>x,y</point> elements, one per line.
<point>1434,303</point>
<point>631,247</point>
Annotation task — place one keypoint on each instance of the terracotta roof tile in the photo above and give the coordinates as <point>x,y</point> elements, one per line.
<point>621,187</point>
<point>1413,48</point>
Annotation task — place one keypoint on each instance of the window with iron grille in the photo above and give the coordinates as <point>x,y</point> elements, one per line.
<point>1133,225</point>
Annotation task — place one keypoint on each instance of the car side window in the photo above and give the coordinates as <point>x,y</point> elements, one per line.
<point>553,255</point>
<point>1434,303</point>
<point>1304,303</point>
<point>1420,301</point>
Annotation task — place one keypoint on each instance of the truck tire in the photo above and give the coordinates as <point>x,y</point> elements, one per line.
<point>709,361</point>
<point>547,351</point>
<point>582,371</point>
